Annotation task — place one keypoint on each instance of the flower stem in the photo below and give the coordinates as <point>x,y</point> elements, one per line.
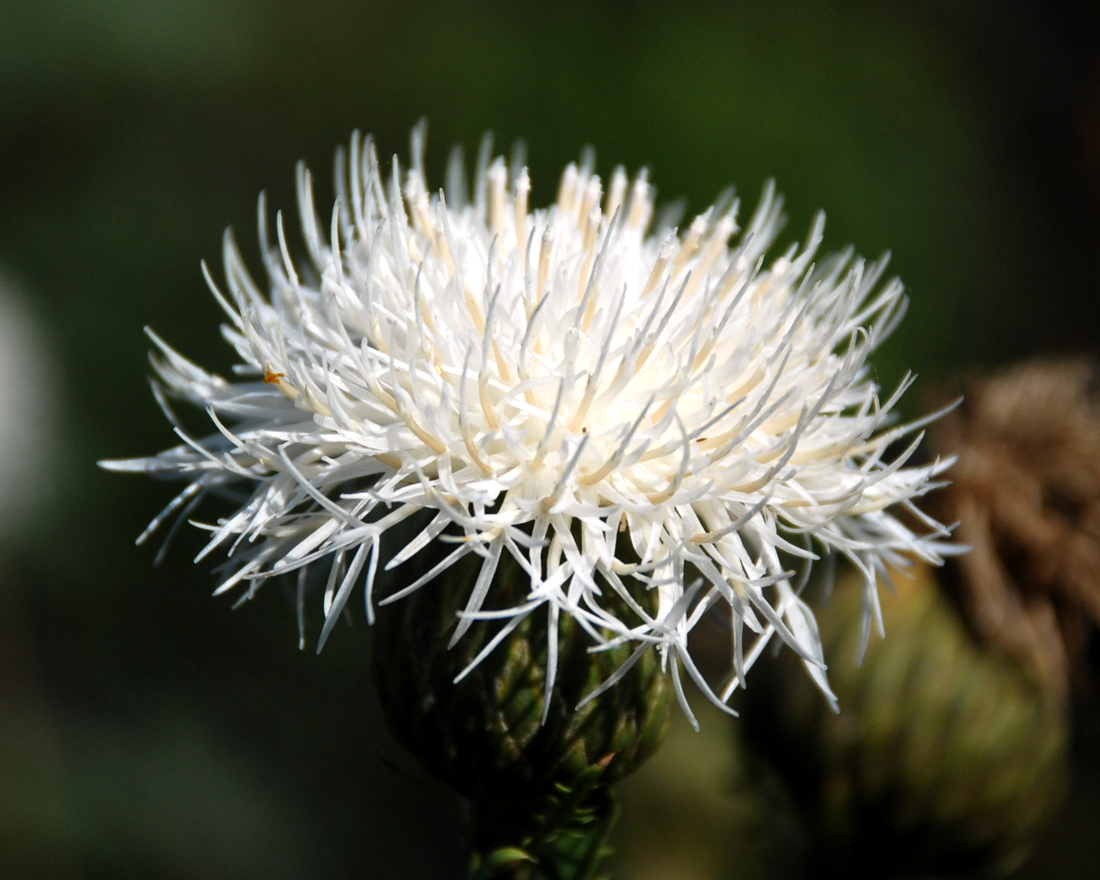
<point>565,840</point>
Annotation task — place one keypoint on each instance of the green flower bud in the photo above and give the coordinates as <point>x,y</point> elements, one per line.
<point>535,775</point>
<point>943,755</point>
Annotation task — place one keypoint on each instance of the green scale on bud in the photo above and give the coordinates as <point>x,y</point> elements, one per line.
<point>944,756</point>
<point>537,789</point>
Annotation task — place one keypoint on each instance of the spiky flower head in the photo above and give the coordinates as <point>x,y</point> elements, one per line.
<point>653,424</point>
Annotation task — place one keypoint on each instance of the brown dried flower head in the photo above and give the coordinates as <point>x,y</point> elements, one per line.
<point>1026,492</point>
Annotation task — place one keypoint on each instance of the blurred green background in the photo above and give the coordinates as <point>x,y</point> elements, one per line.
<point>147,731</point>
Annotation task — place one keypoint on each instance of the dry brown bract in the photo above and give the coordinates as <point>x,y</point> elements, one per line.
<point>1026,492</point>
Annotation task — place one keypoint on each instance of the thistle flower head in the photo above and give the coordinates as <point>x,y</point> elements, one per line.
<point>1026,492</point>
<point>655,422</point>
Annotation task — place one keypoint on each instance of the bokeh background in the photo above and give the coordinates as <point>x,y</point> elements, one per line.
<point>147,730</point>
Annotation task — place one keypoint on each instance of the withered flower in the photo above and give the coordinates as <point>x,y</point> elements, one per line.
<point>1026,492</point>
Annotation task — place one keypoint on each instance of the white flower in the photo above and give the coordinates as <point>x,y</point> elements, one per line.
<point>551,384</point>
